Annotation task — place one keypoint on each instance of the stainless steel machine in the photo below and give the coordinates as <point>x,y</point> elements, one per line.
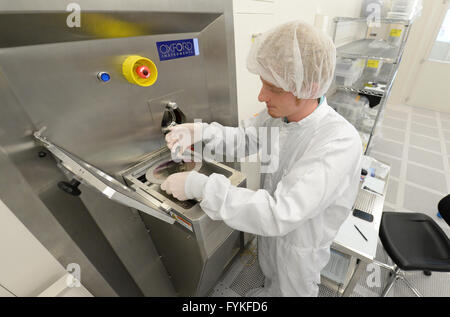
<point>82,120</point>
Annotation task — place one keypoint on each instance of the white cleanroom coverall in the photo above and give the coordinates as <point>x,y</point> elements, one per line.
<point>300,207</point>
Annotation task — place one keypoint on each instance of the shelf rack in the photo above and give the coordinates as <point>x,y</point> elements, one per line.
<point>382,21</point>
<point>361,49</point>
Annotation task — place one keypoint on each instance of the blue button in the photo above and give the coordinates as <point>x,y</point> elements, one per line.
<point>105,77</point>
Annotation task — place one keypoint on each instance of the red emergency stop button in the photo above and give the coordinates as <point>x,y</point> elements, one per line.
<point>143,71</point>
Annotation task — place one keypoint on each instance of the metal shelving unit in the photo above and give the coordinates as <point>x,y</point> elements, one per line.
<point>383,21</point>
<point>362,49</point>
<point>359,85</point>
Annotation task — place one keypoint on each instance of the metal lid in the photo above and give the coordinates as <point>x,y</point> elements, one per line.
<point>105,184</point>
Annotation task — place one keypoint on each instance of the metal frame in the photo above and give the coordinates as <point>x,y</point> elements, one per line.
<point>396,274</point>
<point>385,21</point>
<point>396,62</point>
<point>354,272</point>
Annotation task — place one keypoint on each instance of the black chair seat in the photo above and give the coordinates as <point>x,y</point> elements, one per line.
<point>415,242</point>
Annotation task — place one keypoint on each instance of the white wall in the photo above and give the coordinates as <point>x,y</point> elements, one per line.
<point>414,51</point>
<point>306,10</point>
<point>256,16</point>
<point>422,82</point>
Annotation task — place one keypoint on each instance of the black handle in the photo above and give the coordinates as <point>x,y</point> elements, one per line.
<point>70,188</point>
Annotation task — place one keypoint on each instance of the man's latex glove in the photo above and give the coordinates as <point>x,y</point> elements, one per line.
<point>185,185</point>
<point>182,136</point>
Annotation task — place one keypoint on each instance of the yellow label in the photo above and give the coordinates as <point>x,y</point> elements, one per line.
<point>373,63</point>
<point>396,32</point>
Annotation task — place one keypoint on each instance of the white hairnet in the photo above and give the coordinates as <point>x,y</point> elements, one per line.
<point>296,57</point>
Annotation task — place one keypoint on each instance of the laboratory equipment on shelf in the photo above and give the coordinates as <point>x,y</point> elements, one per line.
<point>395,36</point>
<point>348,71</point>
<point>405,9</point>
<point>350,106</point>
<point>373,67</point>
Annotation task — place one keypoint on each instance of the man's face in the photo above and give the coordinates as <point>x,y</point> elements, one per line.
<point>279,103</point>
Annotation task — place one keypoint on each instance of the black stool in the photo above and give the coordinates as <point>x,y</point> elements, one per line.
<point>415,242</point>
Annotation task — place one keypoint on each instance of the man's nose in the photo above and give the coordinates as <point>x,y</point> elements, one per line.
<point>262,97</point>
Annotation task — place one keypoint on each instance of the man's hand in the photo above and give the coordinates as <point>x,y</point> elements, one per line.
<point>174,185</point>
<point>182,136</point>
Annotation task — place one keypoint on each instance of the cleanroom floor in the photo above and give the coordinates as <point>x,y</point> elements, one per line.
<point>416,143</point>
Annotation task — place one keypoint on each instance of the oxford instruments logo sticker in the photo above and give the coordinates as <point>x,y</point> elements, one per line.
<point>177,49</point>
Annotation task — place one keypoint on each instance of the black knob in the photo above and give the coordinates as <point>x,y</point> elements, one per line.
<point>70,188</point>
<point>42,154</point>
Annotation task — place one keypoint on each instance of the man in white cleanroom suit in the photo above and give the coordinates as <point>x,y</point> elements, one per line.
<point>301,205</point>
